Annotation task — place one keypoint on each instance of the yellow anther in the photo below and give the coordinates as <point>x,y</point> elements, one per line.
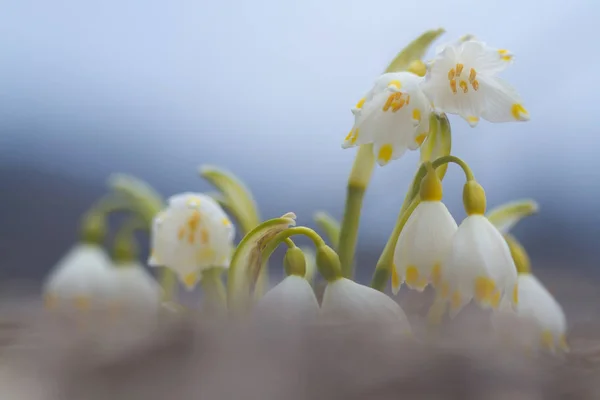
<point>436,274</point>
<point>445,290</point>
<point>389,101</point>
<point>194,221</point>
<point>204,236</point>
<point>398,104</point>
<point>395,83</point>
<point>407,99</point>
<point>456,301</point>
<point>463,86</point>
<point>459,68</point>
<point>385,153</point>
<point>519,112</point>
<point>191,238</point>
<point>475,84</point>
<point>420,138</point>
<point>472,75</point>
<point>416,114</point>
<point>360,103</point>
<point>451,74</point>
<point>355,137</point>
<point>515,294</point>
<point>181,233</point>
<point>453,85</point>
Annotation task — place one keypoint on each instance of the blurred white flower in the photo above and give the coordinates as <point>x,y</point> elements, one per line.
<point>422,246</point>
<point>135,288</point>
<point>539,306</point>
<point>293,300</point>
<point>479,265</point>
<point>394,116</point>
<point>82,278</point>
<point>462,80</point>
<point>345,301</point>
<point>192,234</point>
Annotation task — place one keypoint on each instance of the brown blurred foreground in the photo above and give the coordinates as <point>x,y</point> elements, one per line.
<point>59,357</point>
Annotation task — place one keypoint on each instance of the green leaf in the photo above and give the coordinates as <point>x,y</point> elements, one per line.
<point>438,142</point>
<point>235,196</point>
<point>507,215</point>
<point>148,201</point>
<point>311,263</point>
<point>330,226</point>
<point>246,262</point>
<point>414,51</point>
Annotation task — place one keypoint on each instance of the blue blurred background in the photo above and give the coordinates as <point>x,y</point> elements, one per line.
<point>264,88</point>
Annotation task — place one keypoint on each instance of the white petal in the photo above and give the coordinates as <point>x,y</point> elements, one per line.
<point>485,59</point>
<point>501,101</point>
<point>479,265</point>
<point>536,302</point>
<point>345,301</point>
<point>136,287</point>
<point>424,244</point>
<point>292,300</point>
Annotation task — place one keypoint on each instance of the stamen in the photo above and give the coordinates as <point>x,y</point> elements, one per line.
<point>398,104</point>
<point>181,233</point>
<point>193,221</point>
<point>459,68</point>
<point>472,75</point>
<point>204,236</point>
<point>191,238</point>
<point>463,86</point>
<point>451,74</point>
<point>388,103</point>
<point>407,99</point>
<point>475,85</point>
<point>453,85</point>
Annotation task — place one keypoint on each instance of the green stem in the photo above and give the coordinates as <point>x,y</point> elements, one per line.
<point>358,182</point>
<point>215,294</point>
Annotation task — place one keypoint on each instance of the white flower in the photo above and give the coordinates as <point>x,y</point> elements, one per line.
<point>293,300</point>
<point>347,301</point>
<point>462,80</point>
<point>539,306</point>
<point>135,288</point>
<point>393,116</point>
<point>422,246</point>
<point>191,235</point>
<point>82,278</point>
<point>480,266</point>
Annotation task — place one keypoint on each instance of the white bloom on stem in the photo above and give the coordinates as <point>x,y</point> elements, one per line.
<point>293,300</point>
<point>135,288</point>
<point>345,301</point>
<point>422,246</point>
<point>82,278</point>
<point>479,266</point>
<point>192,234</point>
<point>462,80</point>
<point>394,116</point>
<point>537,305</point>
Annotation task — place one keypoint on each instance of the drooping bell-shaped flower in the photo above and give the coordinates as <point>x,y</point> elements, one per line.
<point>425,239</point>
<point>394,116</point>
<point>479,264</point>
<point>135,288</point>
<point>293,299</point>
<point>192,234</point>
<point>81,279</point>
<point>462,80</point>
<point>345,301</point>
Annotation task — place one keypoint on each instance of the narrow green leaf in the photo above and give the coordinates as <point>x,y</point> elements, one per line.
<point>507,215</point>
<point>148,201</point>
<point>414,51</point>
<point>438,142</point>
<point>236,197</point>
<point>247,260</point>
<point>330,226</point>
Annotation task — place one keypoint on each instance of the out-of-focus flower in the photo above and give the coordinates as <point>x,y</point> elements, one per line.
<point>82,279</point>
<point>135,288</point>
<point>462,80</point>
<point>192,234</point>
<point>394,116</point>
<point>291,300</point>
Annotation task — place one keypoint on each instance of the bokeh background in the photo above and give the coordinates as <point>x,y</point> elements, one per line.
<point>264,88</point>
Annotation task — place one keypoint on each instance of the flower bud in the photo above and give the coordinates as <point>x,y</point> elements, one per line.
<point>474,198</point>
<point>328,263</point>
<point>294,262</point>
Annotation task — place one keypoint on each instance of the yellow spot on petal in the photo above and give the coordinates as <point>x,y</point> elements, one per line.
<point>495,302</point>
<point>515,294</point>
<point>453,85</point>
<point>193,202</point>
<point>395,278</point>
<point>225,221</point>
<point>82,303</point>
<point>349,135</point>
<point>456,300</point>
<point>548,340</point>
<point>396,84</point>
<point>181,233</point>
<point>445,290</point>
<point>355,137</point>
<point>484,290</point>
<point>562,343</point>
<point>505,55</point>
<point>190,280</point>
<point>421,138</point>
<point>50,301</point>
<point>204,236</point>
<point>436,275</point>
<point>451,74</point>
<point>360,103</point>
<point>459,69</point>
<point>385,153</point>
<point>416,114</point>
<point>463,85</point>
<point>519,112</point>
<point>412,276</point>
<point>472,120</point>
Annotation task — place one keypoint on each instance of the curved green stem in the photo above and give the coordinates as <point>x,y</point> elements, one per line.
<point>360,177</point>
<point>215,294</point>
<point>124,246</point>
<point>386,260</point>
